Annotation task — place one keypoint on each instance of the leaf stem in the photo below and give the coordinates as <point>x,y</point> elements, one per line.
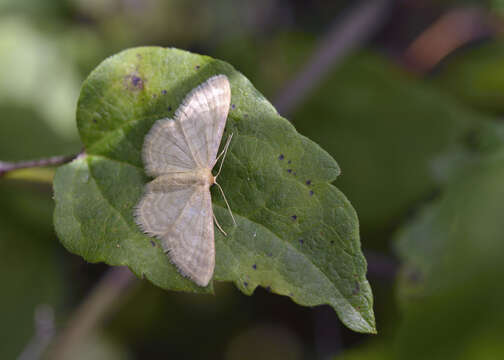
<point>6,166</point>
<point>99,303</point>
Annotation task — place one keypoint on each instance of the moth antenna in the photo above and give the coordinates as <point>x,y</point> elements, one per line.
<point>227,204</point>
<point>224,152</point>
<point>218,225</point>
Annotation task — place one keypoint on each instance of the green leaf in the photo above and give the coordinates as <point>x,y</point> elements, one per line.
<point>452,255</point>
<point>297,235</point>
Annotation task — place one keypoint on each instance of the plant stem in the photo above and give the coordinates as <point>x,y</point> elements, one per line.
<point>99,303</point>
<point>6,167</point>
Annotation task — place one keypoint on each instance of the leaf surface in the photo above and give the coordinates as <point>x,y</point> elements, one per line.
<point>297,235</point>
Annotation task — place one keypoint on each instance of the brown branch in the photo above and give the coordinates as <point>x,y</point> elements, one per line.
<point>5,166</point>
<point>358,25</point>
<point>99,303</point>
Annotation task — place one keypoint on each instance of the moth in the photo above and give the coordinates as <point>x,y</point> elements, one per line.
<point>180,154</point>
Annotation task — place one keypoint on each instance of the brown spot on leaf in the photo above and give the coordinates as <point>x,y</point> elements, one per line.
<point>356,289</point>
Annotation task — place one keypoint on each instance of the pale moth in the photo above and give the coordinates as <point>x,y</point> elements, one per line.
<point>180,153</point>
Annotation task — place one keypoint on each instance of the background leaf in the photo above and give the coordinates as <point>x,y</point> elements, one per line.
<point>297,235</point>
<point>452,253</point>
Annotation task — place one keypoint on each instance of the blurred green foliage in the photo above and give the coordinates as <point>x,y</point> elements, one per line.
<point>31,271</point>
<point>454,249</point>
<point>476,76</point>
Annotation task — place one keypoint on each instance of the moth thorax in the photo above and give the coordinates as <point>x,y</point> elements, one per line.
<point>206,177</point>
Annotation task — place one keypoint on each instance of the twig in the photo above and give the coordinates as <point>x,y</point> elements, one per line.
<point>5,167</point>
<point>357,26</point>
<point>113,285</point>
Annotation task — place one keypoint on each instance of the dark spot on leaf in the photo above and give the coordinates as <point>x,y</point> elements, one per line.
<point>308,182</point>
<point>294,173</point>
<point>137,82</point>
<point>95,121</point>
<point>289,170</point>
<point>197,67</point>
<point>134,82</point>
<point>332,242</point>
<point>245,283</point>
<point>154,96</point>
<point>356,289</point>
<point>153,243</point>
<point>268,288</point>
<point>163,92</point>
<point>301,241</point>
<point>281,157</point>
<point>294,217</point>
<point>290,161</point>
<point>169,108</point>
<point>233,106</point>
<point>254,267</point>
<point>311,192</point>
